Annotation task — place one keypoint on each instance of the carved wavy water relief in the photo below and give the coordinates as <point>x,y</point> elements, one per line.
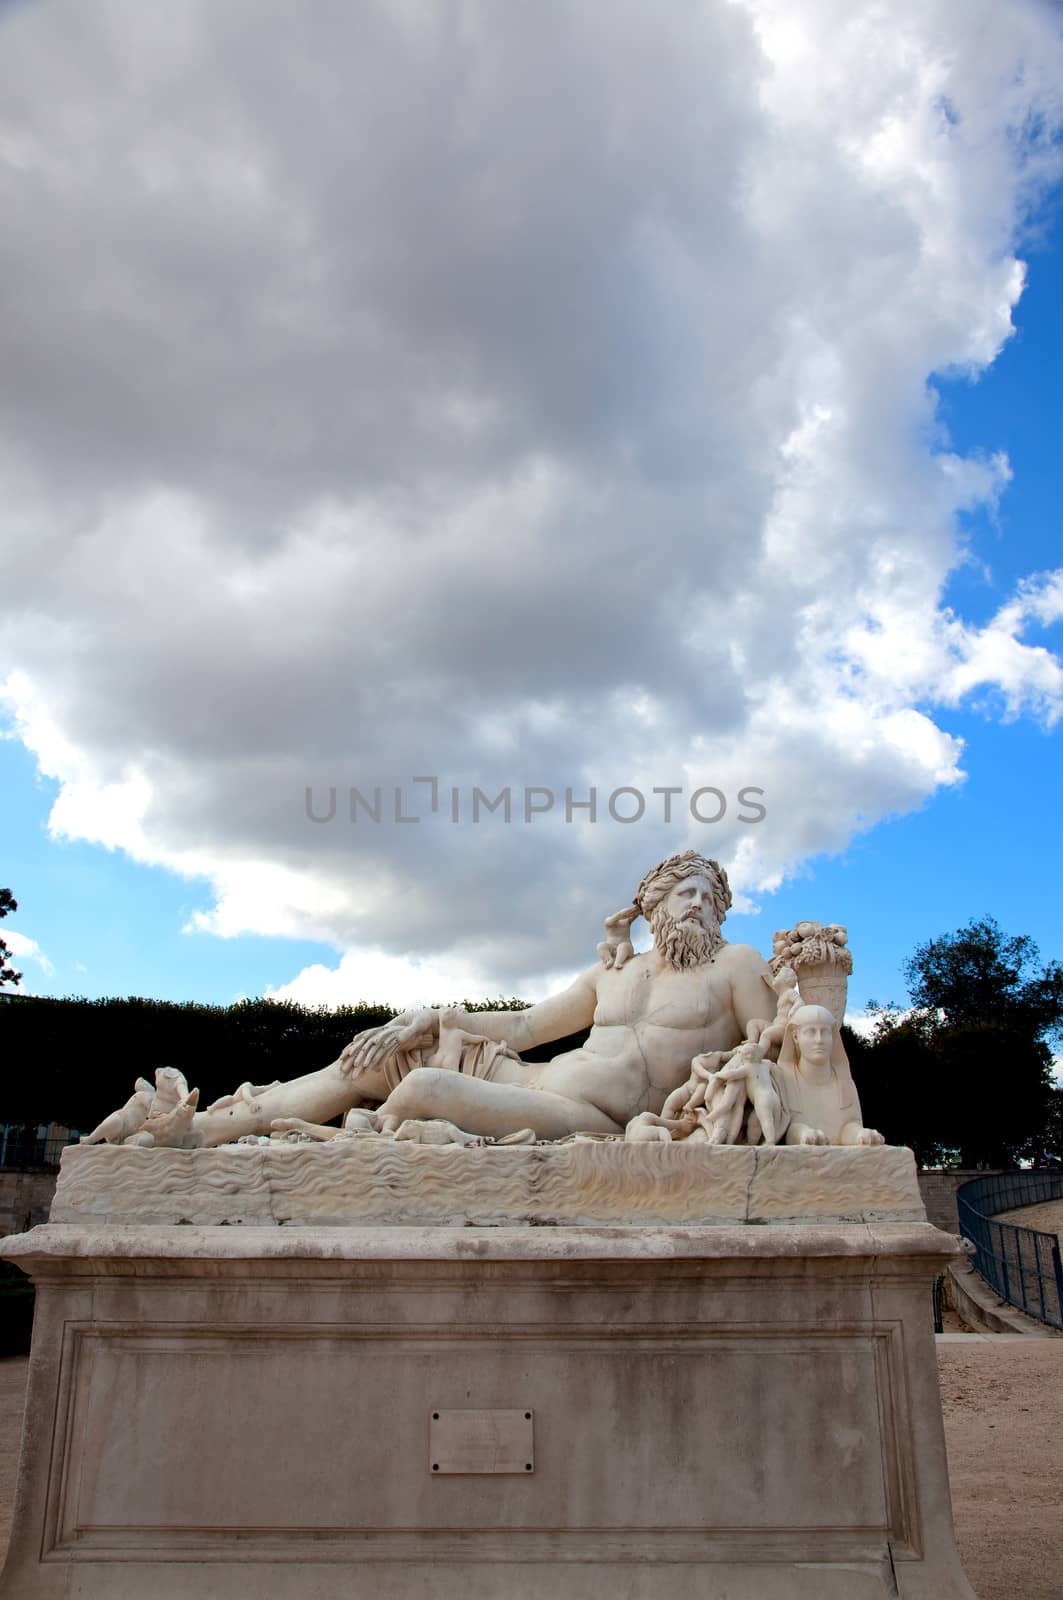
<point>380,1181</point>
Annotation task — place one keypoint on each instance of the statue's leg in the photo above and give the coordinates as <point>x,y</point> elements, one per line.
<point>313,1130</point>
<point>317,1097</point>
<point>493,1108</point>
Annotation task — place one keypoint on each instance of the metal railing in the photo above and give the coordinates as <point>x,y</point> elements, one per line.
<point>939,1305</point>
<point>1022,1264</point>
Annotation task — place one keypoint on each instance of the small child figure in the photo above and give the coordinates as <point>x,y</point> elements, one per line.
<point>616,947</point>
<point>784,982</point>
<point>745,1076</point>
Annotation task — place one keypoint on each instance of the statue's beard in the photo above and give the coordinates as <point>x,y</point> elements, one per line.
<point>687,943</point>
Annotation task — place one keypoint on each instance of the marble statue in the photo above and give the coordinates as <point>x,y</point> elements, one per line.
<point>693,1039</point>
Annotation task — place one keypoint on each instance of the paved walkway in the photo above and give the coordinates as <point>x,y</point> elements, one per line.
<point>981,1338</point>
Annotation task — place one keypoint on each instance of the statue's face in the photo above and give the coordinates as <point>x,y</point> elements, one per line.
<point>691,900</point>
<point>813,1041</point>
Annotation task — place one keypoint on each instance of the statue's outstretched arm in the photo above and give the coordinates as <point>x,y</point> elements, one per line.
<point>554,1018</point>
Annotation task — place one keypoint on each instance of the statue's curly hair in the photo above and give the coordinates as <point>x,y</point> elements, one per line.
<point>662,879</point>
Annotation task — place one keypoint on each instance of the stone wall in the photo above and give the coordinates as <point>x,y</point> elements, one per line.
<point>25,1197</point>
<point>939,1196</point>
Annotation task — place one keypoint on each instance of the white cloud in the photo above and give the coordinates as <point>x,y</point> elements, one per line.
<point>404,981</point>
<point>401,428</point>
<point>23,948</point>
<point>862,1023</point>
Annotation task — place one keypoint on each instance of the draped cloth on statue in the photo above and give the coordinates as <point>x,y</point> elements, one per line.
<point>457,1051</point>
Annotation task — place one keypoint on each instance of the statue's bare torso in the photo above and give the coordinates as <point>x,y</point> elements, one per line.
<point>649,1021</point>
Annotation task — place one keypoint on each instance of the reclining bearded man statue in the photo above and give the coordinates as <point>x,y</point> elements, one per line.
<point>649,1015</point>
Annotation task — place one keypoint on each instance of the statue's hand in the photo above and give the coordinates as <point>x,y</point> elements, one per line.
<point>616,947</point>
<point>404,1032</point>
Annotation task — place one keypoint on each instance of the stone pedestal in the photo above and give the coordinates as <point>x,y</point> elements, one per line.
<point>663,1412</point>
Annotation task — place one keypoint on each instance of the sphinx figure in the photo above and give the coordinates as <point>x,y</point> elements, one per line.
<point>819,1100</point>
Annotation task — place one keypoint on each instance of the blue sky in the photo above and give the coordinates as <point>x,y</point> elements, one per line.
<point>621,476</point>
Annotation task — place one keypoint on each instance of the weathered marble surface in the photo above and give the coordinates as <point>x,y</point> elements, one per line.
<point>739,1412</point>
<point>378,1181</point>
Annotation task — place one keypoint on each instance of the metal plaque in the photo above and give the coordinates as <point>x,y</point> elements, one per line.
<point>480,1441</point>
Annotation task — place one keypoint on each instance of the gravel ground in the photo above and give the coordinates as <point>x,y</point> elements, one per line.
<point>12,1399</point>
<point>1003,1405</point>
<point>1048,1216</point>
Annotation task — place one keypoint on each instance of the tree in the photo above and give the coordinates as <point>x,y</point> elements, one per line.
<point>967,1072</point>
<point>7,973</point>
<point>1052,1152</point>
<point>980,975</point>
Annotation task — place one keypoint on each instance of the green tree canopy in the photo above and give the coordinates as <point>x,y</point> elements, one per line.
<point>967,1072</point>
<point>982,976</point>
<point>72,1061</point>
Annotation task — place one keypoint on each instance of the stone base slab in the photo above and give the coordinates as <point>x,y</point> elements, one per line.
<point>716,1413</point>
<point>379,1181</point>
